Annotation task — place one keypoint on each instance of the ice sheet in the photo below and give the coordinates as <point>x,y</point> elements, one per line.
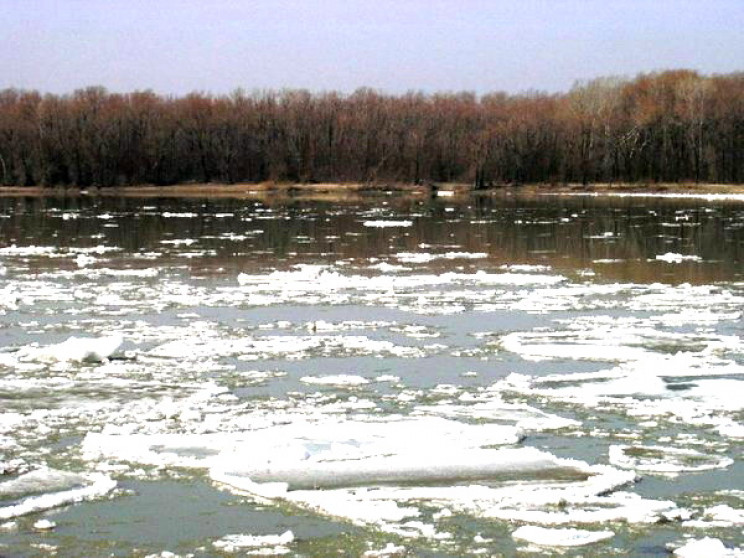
<point>559,537</point>
<point>707,548</point>
<point>45,489</point>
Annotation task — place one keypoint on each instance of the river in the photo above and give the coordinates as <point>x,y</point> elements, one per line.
<point>381,376</point>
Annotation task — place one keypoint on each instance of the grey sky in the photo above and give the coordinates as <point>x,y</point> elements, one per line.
<point>177,46</point>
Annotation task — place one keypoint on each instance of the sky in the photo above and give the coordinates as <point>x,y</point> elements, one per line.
<point>216,46</point>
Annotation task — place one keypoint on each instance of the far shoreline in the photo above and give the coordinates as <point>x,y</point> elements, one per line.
<point>340,191</point>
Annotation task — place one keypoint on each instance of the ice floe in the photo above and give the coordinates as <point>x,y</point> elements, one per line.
<point>44,525</point>
<point>423,257</point>
<point>389,550</point>
<point>381,223</point>
<point>55,252</point>
<point>660,459</point>
<point>660,195</point>
<point>264,545</point>
<point>720,516</point>
<point>543,536</point>
<point>707,548</point>
<point>377,472</point>
<point>671,257</point>
<point>80,349</point>
<point>44,489</point>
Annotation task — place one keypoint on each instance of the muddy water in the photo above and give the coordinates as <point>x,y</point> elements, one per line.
<point>447,377</point>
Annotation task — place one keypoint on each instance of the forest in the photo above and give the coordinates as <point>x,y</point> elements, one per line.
<point>669,126</point>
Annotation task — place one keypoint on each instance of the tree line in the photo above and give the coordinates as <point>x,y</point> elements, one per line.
<point>666,126</point>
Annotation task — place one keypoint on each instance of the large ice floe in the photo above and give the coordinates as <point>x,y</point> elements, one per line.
<point>380,472</point>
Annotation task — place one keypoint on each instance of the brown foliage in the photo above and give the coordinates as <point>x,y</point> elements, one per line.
<point>668,126</point>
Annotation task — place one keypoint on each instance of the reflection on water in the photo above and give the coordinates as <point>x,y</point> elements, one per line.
<point>619,239</point>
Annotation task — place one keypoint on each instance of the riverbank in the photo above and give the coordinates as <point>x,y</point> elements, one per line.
<point>341,190</point>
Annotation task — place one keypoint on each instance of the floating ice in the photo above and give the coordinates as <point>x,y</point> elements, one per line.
<point>676,370</point>
<point>570,345</point>
<point>660,459</point>
<point>427,466</point>
<point>53,251</point>
<point>83,260</point>
<point>77,349</point>
<point>289,347</point>
<point>707,548</point>
<point>388,224</point>
<point>560,537</point>
<point>376,472</point>
<point>179,241</point>
<point>14,250</point>
<point>44,489</point>
<point>389,549</point>
<point>724,516</point>
<point>491,407</point>
<point>671,257</point>
<point>663,195</point>
<point>526,268</point>
<point>384,267</point>
<point>423,257</point>
<point>332,452</point>
<point>182,214</point>
<point>44,525</point>
<point>269,544</point>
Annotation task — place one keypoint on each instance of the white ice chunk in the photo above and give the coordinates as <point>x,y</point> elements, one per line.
<point>58,489</point>
<point>665,195</point>
<point>77,349</point>
<point>83,260</point>
<point>380,223</point>
<point>274,544</point>
<point>14,250</point>
<point>427,466</point>
<point>707,548</point>
<point>424,257</point>
<point>389,549</point>
<point>660,459</point>
<point>543,536</point>
<point>44,525</point>
<point>671,257</point>
<point>725,515</point>
<point>384,267</point>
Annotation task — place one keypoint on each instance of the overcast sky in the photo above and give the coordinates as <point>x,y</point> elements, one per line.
<point>178,46</point>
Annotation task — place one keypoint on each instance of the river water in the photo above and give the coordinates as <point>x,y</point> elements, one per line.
<point>390,376</point>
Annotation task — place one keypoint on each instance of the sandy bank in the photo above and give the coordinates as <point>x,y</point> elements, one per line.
<point>340,191</point>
